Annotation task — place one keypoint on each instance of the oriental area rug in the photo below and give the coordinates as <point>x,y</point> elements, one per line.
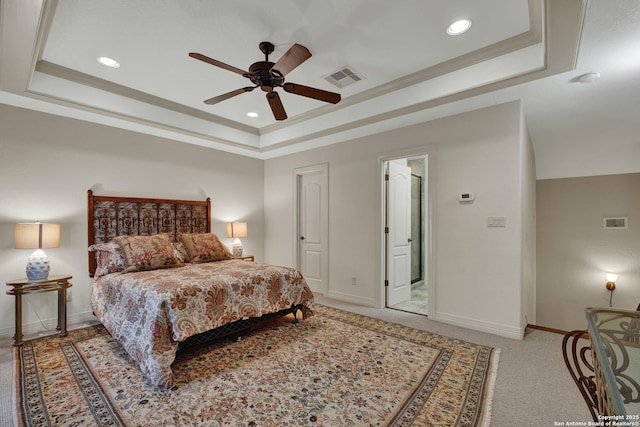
<point>332,369</point>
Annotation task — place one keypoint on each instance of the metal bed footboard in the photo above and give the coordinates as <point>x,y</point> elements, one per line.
<point>237,327</point>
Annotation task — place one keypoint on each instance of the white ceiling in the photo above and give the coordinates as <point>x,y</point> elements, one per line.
<point>153,38</point>
<point>531,50</point>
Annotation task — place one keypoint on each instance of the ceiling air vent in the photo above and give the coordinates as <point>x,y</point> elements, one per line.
<point>617,222</point>
<point>345,76</point>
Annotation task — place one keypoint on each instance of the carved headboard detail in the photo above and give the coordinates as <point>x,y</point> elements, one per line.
<point>108,217</point>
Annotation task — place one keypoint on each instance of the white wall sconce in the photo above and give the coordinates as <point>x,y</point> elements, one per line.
<point>611,285</point>
<point>237,230</point>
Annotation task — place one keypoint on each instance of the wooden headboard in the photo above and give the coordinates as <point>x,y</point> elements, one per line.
<point>108,217</point>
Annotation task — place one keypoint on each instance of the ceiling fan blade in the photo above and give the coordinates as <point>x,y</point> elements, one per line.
<point>295,56</point>
<point>217,63</point>
<point>311,92</point>
<point>228,95</point>
<point>276,106</point>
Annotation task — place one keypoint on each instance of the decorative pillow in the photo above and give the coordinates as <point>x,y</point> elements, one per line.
<point>147,252</point>
<point>109,258</point>
<point>204,247</point>
<point>180,251</point>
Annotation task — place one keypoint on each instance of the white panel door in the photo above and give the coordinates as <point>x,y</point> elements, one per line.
<point>312,247</point>
<point>399,234</point>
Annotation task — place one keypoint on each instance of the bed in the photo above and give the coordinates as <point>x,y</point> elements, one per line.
<point>161,279</point>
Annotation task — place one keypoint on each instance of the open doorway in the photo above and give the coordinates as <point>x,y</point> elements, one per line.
<point>406,237</point>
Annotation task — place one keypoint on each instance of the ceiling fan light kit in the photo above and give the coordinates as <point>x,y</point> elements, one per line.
<point>268,76</point>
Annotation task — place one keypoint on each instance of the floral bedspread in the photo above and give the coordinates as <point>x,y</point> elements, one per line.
<point>150,312</point>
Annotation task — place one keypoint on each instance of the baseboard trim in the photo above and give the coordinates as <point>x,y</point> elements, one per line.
<point>49,325</point>
<point>481,325</point>
<point>546,329</point>
<point>368,302</point>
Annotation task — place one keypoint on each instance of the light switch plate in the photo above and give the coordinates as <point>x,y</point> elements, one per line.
<point>497,221</point>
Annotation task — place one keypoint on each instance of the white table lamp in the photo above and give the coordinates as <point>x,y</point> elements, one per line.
<point>237,230</point>
<point>37,236</point>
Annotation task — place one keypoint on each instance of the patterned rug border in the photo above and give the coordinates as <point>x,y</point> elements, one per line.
<point>99,404</point>
<point>476,410</point>
<point>491,359</point>
<point>28,387</point>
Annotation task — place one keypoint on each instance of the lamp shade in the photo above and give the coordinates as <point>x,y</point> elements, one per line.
<point>36,235</point>
<point>236,229</point>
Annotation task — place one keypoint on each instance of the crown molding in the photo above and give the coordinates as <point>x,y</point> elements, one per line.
<point>61,72</point>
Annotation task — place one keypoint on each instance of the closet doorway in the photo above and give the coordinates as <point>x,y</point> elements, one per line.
<point>406,234</point>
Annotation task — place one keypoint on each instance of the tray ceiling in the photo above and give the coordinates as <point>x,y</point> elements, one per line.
<point>412,69</point>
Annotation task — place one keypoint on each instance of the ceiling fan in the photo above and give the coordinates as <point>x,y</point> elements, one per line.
<point>268,75</point>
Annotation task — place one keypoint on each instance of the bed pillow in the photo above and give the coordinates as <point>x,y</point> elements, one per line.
<point>180,251</point>
<point>147,252</point>
<point>205,247</point>
<point>109,258</point>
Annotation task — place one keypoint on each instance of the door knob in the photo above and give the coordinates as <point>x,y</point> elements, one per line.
<point>409,240</point>
<point>301,237</point>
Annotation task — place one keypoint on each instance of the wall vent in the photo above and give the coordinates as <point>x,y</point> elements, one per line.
<point>345,76</point>
<point>616,222</point>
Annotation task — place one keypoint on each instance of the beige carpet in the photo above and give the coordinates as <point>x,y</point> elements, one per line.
<point>336,368</point>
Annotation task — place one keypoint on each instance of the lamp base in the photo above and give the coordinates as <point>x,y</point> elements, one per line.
<point>38,265</point>
<point>237,248</point>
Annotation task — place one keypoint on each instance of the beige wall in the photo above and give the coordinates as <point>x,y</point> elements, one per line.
<point>478,270</point>
<point>47,164</point>
<point>528,232</point>
<point>574,250</point>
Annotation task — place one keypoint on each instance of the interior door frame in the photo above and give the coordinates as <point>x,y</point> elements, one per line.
<point>297,173</point>
<point>430,218</point>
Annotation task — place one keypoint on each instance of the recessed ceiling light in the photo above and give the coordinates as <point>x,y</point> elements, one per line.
<point>108,62</point>
<point>458,27</point>
<point>589,77</point>
<point>252,114</point>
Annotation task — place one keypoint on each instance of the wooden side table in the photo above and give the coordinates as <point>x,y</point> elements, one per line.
<point>245,257</point>
<point>21,287</point>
